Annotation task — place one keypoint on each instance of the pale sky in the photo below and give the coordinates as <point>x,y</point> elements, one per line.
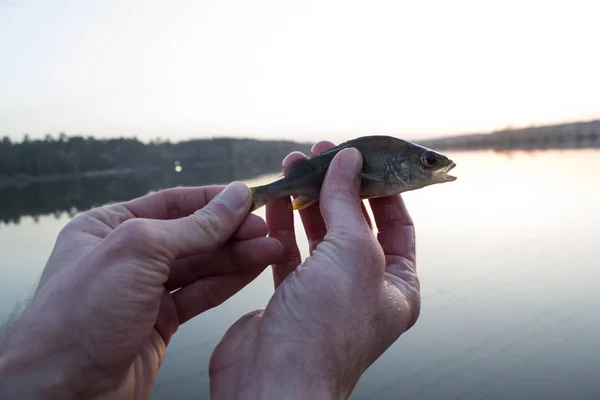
<point>304,70</point>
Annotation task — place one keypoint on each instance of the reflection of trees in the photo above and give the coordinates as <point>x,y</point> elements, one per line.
<point>75,195</point>
<point>66,196</point>
<point>54,176</point>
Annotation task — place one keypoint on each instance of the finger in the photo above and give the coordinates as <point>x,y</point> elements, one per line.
<point>280,222</point>
<point>347,229</point>
<point>321,146</point>
<point>202,232</point>
<point>166,321</point>
<point>290,159</point>
<point>252,227</point>
<point>340,202</point>
<point>311,217</point>
<point>234,256</point>
<point>363,208</point>
<point>312,220</point>
<point>181,202</point>
<point>210,292</point>
<point>172,203</point>
<point>317,148</point>
<point>397,238</point>
<point>396,228</point>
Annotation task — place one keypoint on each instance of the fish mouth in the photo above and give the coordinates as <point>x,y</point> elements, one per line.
<point>443,173</point>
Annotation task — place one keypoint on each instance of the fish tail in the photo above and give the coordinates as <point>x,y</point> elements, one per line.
<point>261,195</point>
<point>289,184</point>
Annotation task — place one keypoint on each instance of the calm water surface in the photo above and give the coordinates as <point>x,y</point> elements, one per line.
<point>509,263</point>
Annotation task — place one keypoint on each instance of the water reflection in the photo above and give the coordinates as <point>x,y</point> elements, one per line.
<point>73,196</point>
<point>508,260</point>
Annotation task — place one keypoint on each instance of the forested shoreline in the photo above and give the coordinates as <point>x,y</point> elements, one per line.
<point>72,157</point>
<point>56,158</point>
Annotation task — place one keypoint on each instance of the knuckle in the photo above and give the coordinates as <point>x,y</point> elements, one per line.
<point>292,257</point>
<point>406,283</point>
<point>414,306</point>
<point>136,230</point>
<point>69,227</point>
<point>76,225</point>
<point>172,208</point>
<point>359,241</point>
<point>78,221</point>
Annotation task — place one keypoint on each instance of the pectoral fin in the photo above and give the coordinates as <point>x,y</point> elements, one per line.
<point>302,202</point>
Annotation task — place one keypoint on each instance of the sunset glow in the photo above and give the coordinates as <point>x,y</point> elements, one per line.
<point>295,70</point>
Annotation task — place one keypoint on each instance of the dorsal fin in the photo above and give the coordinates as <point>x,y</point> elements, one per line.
<point>373,142</point>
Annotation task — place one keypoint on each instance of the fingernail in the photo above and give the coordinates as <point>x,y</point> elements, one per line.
<point>349,161</point>
<point>234,196</point>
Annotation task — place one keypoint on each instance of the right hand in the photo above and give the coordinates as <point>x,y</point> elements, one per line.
<point>332,316</point>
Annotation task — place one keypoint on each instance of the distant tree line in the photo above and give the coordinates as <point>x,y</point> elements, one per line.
<point>577,135</point>
<point>77,155</point>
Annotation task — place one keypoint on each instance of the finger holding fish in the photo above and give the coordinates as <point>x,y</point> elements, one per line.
<point>390,166</point>
<point>396,237</point>
<point>280,224</point>
<point>396,230</point>
<point>311,216</point>
<point>320,147</point>
<point>313,223</point>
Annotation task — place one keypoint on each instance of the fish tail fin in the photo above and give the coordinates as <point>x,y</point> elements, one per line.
<point>261,195</point>
<point>285,186</point>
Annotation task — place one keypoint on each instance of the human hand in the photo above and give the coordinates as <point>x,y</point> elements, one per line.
<point>332,316</point>
<point>103,313</point>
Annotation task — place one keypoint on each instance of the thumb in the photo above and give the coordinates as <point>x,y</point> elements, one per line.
<point>204,231</point>
<point>211,226</point>
<point>340,201</point>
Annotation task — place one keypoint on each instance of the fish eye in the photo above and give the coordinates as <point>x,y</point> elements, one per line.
<point>428,159</point>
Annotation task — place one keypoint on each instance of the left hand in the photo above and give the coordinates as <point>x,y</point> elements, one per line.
<point>106,306</point>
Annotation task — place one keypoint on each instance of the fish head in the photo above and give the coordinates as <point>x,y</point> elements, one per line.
<point>419,167</point>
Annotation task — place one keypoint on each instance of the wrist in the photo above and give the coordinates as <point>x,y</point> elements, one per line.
<point>281,374</point>
<point>25,375</point>
<point>27,372</point>
<point>35,363</point>
<point>286,383</point>
<point>295,388</point>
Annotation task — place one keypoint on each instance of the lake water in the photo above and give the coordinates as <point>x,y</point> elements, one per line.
<point>509,261</point>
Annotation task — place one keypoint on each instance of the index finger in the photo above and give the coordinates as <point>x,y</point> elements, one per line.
<point>181,202</point>
<point>396,228</point>
<point>311,217</point>
<point>172,203</point>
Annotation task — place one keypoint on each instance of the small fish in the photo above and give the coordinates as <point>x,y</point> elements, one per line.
<point>390,166</point>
